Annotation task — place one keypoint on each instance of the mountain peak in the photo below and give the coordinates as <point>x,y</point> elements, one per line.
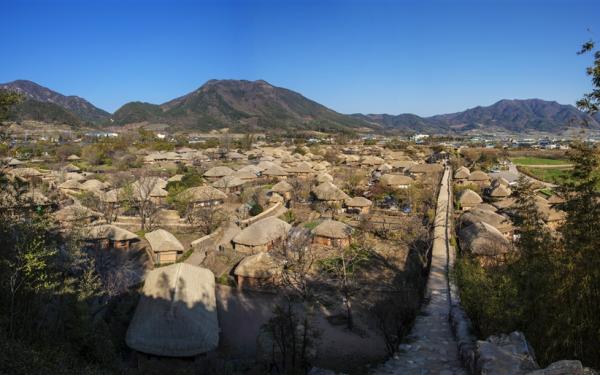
<point>35,92</point>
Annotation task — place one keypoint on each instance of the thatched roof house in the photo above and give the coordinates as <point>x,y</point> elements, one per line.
<point>76,213</point>
<point>176,315</point>
<point>218,172</point>
<point>499,192</point>
<point>275,171</point>
<point>468,199</point>
<point>110,236</point>
<point>165,246</point>
<point>462,173</point>
<point>483,239</point>
<point>257,270</point>
<point>263,235</point>
<point>419,169</point>
<point>229,183</point>
<point>332,233</point>
<point>328,192</point>
<point>284,189</point>
<point>479,178</point>
<point>323,177</point>
<point>474,215</point>
<point>360,205</point>
<point>204,196</point>
<point>396,181</point>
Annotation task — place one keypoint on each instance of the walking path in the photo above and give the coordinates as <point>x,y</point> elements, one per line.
<point>431,348</point>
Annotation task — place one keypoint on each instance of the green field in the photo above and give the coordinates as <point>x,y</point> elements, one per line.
<point>551,175</point>
<point>529,160</point>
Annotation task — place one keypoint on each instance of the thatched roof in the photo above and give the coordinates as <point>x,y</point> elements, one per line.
<point>282,187</point>
<point>327,191</point>
<point>70,184</point>
<point>228,182</point>
<point>322,177</point>
<point>218,171</point>
<point>486,206</point>
<point>202,194</point>
<point>469,198</point>
<point>426,168</point>
<point>333,229</point>
<point>260,265</point>
<point>176,315</point>
<point>111,232</point>
<point>73,157</point>
<point>71,168</point>
<point>462,173</point>
<point>479,176</point>
<point>161,240</point>
<point>402,164</point>
<point>93,185</point>
<point>75,212</point>
<point>250,169</point>
<point>500,181</point>
<point>504,203</point>
<point>499,191</point>
<point>175,178</point>
<point>262,232</point>
<point>358,202</point>
<point>483,239</point>
<point>474,215</point>
<point>392,180</point>
<point>275,171</point>
<point>243,175</point>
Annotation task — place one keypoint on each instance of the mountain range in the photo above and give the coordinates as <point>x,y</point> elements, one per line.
<point>258,105</point>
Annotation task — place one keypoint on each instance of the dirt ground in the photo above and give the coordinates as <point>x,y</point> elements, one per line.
<point>242,314</point>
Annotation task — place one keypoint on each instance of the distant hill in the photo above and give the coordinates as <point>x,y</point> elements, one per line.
<point>510,115</point>
<point>257,105</point>
<point>43,104</point>
<point>241,104</point>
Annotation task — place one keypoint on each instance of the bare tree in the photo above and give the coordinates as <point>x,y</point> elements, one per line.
<point>343,269</point>
<point>139,194</point>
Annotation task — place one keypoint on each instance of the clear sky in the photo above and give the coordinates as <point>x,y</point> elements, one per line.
<point>425,57</point>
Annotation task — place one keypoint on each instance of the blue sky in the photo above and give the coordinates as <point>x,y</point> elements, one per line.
<point>424,57</point>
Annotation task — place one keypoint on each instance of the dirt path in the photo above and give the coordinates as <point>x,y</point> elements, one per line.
<point>431,348</point>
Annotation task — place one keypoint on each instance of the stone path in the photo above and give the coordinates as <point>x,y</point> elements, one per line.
<point>431,348</point>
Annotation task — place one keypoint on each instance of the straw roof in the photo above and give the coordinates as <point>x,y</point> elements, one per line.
<point>462,173</point>
<point>250,169</point>
<point>426,168</point>
<point>483,239</point>
<point>504,203</point>
<point>402,164</point>
<point>262,232</point>
<point>228,182</point>
<point>499,191</point>
<point>73,157</point>
<point>111,232</point>
<point>71,168</point>
<point>500,181</point>
<point>479,176</point>
<point>392,180</point>
<point>161,240</point>
<point>244,175</point>
<point>475,215</point>
<point>275,171</point>
<point>75,212</point>
<point>469,198</point>
<point>260,266</point>
<point>358,202</point>
<point>333,229</point>
<point>322,177</point>
<point>218,171</point>
<point>93,184</point>
<point>282,187</point>
<point>175,178</point>
<point>486,206</point>
<point>177,313</point>
<point>327,191</point>
<point>70,184</point>
<point>202,194</point>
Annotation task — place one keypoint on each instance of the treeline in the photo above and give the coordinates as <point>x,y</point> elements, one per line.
<point>549,287</point>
